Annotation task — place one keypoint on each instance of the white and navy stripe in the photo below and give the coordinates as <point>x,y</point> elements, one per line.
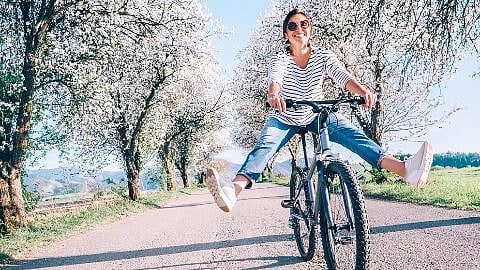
<point>304,84</point>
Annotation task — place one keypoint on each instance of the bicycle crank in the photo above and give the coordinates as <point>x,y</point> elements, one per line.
<point>288,204</point>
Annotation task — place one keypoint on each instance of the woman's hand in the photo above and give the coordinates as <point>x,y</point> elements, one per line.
<point>274,99</point>
<point>277,102</point>
<point>355,87</point>
<point>370,99</point>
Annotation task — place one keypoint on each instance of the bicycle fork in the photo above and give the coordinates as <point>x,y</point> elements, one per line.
<point>323,196</point>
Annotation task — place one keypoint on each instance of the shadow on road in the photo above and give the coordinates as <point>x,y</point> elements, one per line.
<point>132,254</point>
<point>276,262</point>
<point>425,225</point>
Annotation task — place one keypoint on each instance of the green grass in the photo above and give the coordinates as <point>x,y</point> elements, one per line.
<point>44,230</point>
<point>452,188</point>
<point>279,180</point>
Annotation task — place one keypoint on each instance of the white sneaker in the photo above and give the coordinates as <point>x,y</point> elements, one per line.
<point>418,166</point>
<point>223,192</point>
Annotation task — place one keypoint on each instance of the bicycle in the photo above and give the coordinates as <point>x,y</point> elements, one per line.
<point>327,195</point>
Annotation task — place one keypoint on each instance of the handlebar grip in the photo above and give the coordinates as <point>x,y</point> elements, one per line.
<point>360,100</point>
<point>288,103</point>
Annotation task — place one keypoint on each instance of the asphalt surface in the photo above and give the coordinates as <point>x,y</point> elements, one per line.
<point>192,233</point>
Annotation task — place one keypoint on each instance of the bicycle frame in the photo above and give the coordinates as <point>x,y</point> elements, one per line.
<point>319,163</point>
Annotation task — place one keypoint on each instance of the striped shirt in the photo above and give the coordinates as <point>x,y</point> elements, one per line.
<point>304,84</point>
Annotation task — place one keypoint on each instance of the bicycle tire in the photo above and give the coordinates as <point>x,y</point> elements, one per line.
<point>345,247</point>
<point>301,217</point>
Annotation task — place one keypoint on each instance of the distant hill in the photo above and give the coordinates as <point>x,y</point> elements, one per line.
<point>48,182</point>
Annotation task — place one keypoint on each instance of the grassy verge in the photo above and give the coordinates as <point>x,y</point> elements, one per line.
<point>452,188</point>
<point>45,229</point>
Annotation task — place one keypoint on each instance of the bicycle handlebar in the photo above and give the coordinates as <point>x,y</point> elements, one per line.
<point>332,102</point>
<point>317,105</point>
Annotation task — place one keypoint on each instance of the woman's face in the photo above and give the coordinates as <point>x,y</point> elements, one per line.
<point>299,30</point>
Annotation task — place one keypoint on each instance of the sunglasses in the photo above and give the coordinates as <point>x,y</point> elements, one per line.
<point>293,25</point>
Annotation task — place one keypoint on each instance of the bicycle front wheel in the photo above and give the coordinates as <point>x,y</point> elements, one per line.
<point>346,242</point>
<point>301,216</point>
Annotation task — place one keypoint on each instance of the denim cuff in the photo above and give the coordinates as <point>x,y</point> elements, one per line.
<point>382,156</point>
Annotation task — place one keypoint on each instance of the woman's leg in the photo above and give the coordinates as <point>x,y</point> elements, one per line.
<point>393,164</point>
<point>274,136</point>
<point>414,170</point>
<point>240,182</point>
<point>343,132</point>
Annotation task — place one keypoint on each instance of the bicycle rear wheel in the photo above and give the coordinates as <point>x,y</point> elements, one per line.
<point>301,216</point>
<point>346,243</point>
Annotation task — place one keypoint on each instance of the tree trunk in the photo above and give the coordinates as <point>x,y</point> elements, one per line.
<point>13,205</point>
<point>131,157</point>
<point>5,207</point>
<point>293,147</point>
<point>268,171</point>
<point>181,166</point>
<point>376,132</point>
<point>377,112</point>
<point>133,176</point>
<point>264,177</point>
<point>185,179</point>
<point>201,177</point>
<point>169,167</point>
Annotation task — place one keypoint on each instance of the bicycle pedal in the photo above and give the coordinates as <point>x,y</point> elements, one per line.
<point>288,204</point>
<point>345,240</point>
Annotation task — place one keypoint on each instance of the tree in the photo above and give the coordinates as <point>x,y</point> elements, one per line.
<point>194,120</point>
<point>458,160</point>
<point>24,26</point>
<point>130,85</point>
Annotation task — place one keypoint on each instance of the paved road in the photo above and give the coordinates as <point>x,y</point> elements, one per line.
<point>191,233</point>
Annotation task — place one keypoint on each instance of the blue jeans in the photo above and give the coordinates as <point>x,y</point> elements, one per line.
<point>276,134</point>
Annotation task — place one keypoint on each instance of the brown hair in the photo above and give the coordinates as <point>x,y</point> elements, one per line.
<point>290,15</point>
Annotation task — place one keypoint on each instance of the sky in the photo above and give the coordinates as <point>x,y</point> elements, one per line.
<point>460,134</point>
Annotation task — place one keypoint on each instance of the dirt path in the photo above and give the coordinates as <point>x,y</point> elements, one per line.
<point>192,233</point>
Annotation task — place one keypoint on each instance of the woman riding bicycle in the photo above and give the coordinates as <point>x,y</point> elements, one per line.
<point>298,73</point>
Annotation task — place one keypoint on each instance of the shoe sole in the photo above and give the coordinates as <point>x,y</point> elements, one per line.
<point>214,188</point>
<point>428,159</point>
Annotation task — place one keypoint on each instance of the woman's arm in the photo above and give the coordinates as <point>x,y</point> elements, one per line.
<point>356,88</point>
